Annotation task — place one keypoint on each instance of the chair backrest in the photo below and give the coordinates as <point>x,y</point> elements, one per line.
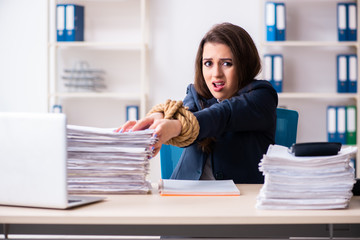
<point>285,135</point>
<point>286,126</point>
<point>169,157</point>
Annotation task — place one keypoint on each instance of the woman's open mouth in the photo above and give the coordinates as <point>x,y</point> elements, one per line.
<point>218,86</point>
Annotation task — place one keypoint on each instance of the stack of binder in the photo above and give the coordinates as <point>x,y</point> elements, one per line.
<point>347,73</point>
<point>323,182</point>
<point>341,124</point>
<point>347,21</point>
<point>275,20</point>
<point>103,161</point>
<point>69,23</point>
<point>274,70</point>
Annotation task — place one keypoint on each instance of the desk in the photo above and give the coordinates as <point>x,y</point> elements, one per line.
<point>197,216</point>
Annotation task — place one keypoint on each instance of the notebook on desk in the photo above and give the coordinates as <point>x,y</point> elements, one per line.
<point>33,156</point>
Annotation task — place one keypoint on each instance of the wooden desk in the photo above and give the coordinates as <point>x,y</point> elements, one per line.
<point>153,214</point>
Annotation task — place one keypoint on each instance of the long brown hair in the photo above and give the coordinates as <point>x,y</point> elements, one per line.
<point>246,61</point>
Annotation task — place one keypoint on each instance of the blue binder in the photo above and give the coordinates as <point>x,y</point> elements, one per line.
<point>341,124</point>
<point>352,73</point>
<point>278,72</point>
<point>273,73</point>
<point>270,21</point>
<point>342,13</point>
<point>132,113</point>
<point>57,108</point>
<point>74,22</point>
<point>268,68</point>
<point>280,21</point>
<point>60,22</point>
<point>331,123</point>
<point>352,22</point>
<point>342,73</point>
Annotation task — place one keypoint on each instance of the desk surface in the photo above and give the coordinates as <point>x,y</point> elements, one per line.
<point>155,209</point>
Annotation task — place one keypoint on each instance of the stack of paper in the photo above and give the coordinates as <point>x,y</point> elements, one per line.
<point>305,182</point>
<point>103,161</point>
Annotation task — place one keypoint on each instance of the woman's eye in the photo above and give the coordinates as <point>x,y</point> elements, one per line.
<point>228,64</point>
<point>207,63</point>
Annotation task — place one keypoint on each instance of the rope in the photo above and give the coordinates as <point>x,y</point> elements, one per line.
<point>190,125</point>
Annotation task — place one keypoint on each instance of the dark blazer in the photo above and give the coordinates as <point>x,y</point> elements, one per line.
<point>243,127</point>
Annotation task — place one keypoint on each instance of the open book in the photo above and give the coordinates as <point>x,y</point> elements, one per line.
<point>171,187</point>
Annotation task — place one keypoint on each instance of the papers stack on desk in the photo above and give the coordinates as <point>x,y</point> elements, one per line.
<point>102,161</point>
<point>292,182</point>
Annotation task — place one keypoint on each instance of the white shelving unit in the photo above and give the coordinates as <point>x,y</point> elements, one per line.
<point>309,54</point>
<point>116,41</point>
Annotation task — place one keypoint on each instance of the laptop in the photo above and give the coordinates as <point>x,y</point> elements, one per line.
<point>33,157</point>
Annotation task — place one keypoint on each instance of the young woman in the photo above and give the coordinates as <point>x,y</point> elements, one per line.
<point>235,112</point>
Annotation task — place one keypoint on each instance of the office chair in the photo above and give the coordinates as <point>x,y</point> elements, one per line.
<point>286,126</point>
<point>285,135</point>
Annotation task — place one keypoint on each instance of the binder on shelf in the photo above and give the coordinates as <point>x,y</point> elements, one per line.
<point>57,108</point>
<point>351,125</point>
<point>342,73</point>
<point>342,21</point>
<point>352,22</point>
<point>278,72</point>
<point>331,123</point>
<point>60,23</point>
<point>352,73</point>
<point>270,21</point>
<point>274,70</point>
<point>74,23</point>
<point>268,68</point>
<point>341,124</point>
<point>347,21</point>
<point>132,113</point>
<point>280,21</point>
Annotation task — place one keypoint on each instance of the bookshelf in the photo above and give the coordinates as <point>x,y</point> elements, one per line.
<point>309,70</point>
<point>116,42</point>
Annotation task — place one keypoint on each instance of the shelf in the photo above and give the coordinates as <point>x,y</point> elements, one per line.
<point>310,44</point>
<point>317,95</point>
<point>310,53</point>
<point>112,45</point>
<point>126,96</point>
<point>116,40</point>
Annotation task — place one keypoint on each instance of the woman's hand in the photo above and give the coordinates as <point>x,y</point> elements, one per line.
<point>165,129</point>
<point>141,124</point>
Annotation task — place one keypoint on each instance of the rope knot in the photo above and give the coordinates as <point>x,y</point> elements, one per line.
<point>190,126</point>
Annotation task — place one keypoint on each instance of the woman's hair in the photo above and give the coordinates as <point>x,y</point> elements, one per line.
<point>246,61</point>
<point>246,57</point>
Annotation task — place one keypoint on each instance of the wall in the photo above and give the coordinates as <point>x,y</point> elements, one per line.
<point>23,56</point>
<point>177,27</point>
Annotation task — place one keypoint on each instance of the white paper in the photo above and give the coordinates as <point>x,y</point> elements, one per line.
<point>198,187</point>
<point>101,160</point>
<point>292,182</point>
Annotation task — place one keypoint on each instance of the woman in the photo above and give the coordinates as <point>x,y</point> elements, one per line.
<point>235,112</point>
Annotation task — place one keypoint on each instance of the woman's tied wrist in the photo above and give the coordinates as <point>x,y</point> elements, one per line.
<point>190,126</point>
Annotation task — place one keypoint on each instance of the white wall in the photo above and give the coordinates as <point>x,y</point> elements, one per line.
<point>23,56</point>
<point>177,27</point>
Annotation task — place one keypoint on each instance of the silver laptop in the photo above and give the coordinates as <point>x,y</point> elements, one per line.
<point>33,158</point>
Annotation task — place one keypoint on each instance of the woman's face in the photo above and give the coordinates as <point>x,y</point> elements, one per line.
<point>219,70</point>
